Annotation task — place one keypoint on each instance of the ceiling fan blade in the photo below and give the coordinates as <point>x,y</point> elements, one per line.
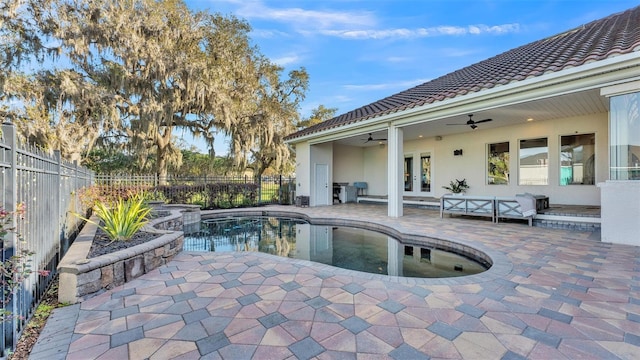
<point>370,138</point>
<point>459,124</point>
<point>481,121</point>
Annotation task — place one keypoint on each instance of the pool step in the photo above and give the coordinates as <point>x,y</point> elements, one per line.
<point>567,225</point>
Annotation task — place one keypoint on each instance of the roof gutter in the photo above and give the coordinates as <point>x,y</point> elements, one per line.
<point>291,148</point>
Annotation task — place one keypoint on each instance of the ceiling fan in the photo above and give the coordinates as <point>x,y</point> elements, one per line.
<point>370,138</point>
<point>473,124</point>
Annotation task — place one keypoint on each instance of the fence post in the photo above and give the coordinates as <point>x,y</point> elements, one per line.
<point>258,180</point>
<point>58,200</point>
<point>280,192</point>
<point>11,198</point>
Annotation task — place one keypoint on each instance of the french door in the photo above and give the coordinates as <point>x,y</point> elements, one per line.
<point>418,174</point>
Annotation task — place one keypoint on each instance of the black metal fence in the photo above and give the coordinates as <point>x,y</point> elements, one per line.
<point>47,188</point>
<point>52,191</point>
<point>212,192</point>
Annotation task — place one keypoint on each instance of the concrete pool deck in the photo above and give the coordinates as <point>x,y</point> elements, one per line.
<point>552,294</point>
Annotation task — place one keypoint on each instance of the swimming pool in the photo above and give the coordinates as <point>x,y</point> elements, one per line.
<point>341,246</point>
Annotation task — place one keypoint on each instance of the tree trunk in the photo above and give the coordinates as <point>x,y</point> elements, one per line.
<point>163,145</point>
<point>162,171</point>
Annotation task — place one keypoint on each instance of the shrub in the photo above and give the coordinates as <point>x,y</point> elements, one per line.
<point>15,269</point>
<point>121,221</point>
<point>458,186</point>
<point>219,195</point>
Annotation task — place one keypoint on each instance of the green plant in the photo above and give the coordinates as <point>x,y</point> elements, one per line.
<point>121,221</point>
<point>15,269</point>
<point>457,186</point>
<point>153,195</point>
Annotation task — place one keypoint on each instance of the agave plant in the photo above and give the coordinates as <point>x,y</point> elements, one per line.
<point>122,220</point>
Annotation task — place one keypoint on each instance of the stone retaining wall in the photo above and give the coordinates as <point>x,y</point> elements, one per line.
<point>82,278</point>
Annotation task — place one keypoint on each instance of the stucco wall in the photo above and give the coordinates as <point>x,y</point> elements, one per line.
<point>375,170</point>
<point>348,164</point>
<point>472,165</point>
<point>303,170</point>
<point>620,211</point>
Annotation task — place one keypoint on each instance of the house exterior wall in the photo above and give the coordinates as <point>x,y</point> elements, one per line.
<point>375,170</point>
<point>303,170</point>
<point>472,165</point>
<point>620,212</point>
<point>348,163</point>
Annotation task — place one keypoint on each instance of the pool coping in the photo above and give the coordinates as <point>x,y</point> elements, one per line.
<point>500,263</point>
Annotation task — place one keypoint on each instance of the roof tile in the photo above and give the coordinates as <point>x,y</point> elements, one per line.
<point>614,35</point>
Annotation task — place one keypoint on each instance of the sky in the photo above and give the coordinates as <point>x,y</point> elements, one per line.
<point>360,51</point>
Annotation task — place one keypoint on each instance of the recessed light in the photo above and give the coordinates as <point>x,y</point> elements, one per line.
<point>420,136</point>
<point>530,119</point>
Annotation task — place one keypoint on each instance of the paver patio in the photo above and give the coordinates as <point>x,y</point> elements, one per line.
<point>552,294</point>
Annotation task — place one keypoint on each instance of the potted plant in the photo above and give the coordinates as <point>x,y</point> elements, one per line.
<point>457,186</point>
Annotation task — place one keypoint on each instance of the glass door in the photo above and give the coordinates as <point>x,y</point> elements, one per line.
<point>418,174</point>
<point>408,173</point>
<point>425,173</point>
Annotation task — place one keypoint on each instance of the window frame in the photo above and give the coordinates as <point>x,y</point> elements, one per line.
<point>546,138</point>
<point>594,158</point>
<point>487,155</point>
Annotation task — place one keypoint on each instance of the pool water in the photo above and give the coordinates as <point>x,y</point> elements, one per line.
<point>344,247</point>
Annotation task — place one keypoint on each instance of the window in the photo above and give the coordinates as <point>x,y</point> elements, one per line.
<point>498,164</point>
<point>534,162</point>
<point>577,159</point>
<point>624,135</point>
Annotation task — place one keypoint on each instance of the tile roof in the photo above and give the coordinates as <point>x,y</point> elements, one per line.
<point>614,35</point>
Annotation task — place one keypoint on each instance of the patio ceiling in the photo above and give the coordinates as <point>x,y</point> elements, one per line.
<point>564,106</point>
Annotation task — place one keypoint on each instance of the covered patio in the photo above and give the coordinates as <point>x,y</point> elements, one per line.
<point>556,117</point>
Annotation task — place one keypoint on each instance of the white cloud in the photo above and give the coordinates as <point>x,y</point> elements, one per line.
<point>423,32</point>
<point>306,18</point>
<point>384,86</point>
<point>352,25</point>
<point>453,52</point>
<point>398,59</point>
<point>267,34</point>
<point>341,98</point>
<point>286,60</point>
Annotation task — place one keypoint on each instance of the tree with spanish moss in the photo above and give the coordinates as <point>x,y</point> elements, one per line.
<point>259,128</point>
<point>138,70</point>
<point>318,115</point>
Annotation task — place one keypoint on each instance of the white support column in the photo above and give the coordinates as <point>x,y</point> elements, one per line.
<point>395,255</point>
<point>395,155</point>
<point>620,211</point>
